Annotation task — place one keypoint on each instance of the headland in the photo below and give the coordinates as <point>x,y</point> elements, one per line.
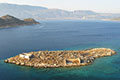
<point>11,21</point>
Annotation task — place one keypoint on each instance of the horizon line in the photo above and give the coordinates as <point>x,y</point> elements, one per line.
<point>56,8</point>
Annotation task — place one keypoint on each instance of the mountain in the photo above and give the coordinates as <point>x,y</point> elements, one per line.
<point>10,21</point>
<point>42,13</point>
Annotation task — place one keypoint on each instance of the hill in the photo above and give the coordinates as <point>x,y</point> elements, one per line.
<point>10,21</point>
<point>43,13</point>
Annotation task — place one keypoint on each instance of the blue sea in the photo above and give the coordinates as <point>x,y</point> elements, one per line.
<point>61,35</point>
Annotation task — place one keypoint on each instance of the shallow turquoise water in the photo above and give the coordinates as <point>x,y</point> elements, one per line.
<point>61,35</point>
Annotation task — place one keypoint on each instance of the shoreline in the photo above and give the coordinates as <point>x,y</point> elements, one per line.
<point>16,26</point>
<point>56,59</point>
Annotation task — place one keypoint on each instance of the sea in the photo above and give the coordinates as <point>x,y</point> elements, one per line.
<point>61,35</point>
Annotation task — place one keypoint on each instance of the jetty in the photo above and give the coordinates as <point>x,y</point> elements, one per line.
<point>54,59</point>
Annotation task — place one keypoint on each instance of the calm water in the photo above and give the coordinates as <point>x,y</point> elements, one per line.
<point>61,35</point>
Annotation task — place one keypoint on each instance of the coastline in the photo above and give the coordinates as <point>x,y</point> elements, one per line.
<point>111,20</point>
<point>56,59</point>
<point>16,26</point>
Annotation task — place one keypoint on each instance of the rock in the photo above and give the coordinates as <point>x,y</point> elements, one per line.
<point>30,20</point>
<point>22,64</point>
<point>6,61</point>
<point>31,65</point>
<point>13,62</point>
<point>17,63</point>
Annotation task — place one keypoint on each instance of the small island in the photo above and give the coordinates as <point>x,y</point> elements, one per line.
<point>10,21</point>
<point>54,59</point>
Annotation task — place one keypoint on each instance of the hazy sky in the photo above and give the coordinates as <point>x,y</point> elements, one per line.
<point>110,6</point>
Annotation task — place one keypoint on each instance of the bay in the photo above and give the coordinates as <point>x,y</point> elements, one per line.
<point>61,35</point>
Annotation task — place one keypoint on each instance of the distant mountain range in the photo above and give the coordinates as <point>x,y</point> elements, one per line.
<point>10,21</point>
<point>42,13</point>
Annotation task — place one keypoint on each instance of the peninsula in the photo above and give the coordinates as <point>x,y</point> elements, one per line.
<point>112,19</point>
<point>51,59</point>
<point>10,21</point>
<point>115,19</point>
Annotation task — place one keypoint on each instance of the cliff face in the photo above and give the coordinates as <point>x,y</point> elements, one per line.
<point>10,21</point>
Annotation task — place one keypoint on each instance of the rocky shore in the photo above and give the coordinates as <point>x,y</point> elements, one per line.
<point>52,59</point>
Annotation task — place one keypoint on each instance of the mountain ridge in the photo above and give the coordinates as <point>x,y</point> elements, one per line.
<point>43,13</point>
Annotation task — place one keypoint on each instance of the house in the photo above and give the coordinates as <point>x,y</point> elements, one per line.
<point>26,56</point>
<point>72,61</point>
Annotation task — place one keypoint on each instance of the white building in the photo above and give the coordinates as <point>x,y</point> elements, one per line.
<point>26,56</point>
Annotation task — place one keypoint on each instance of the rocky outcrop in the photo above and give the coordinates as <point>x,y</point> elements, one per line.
<point>60,58</point>
<point>10,21</point>
<point>30,20</point>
